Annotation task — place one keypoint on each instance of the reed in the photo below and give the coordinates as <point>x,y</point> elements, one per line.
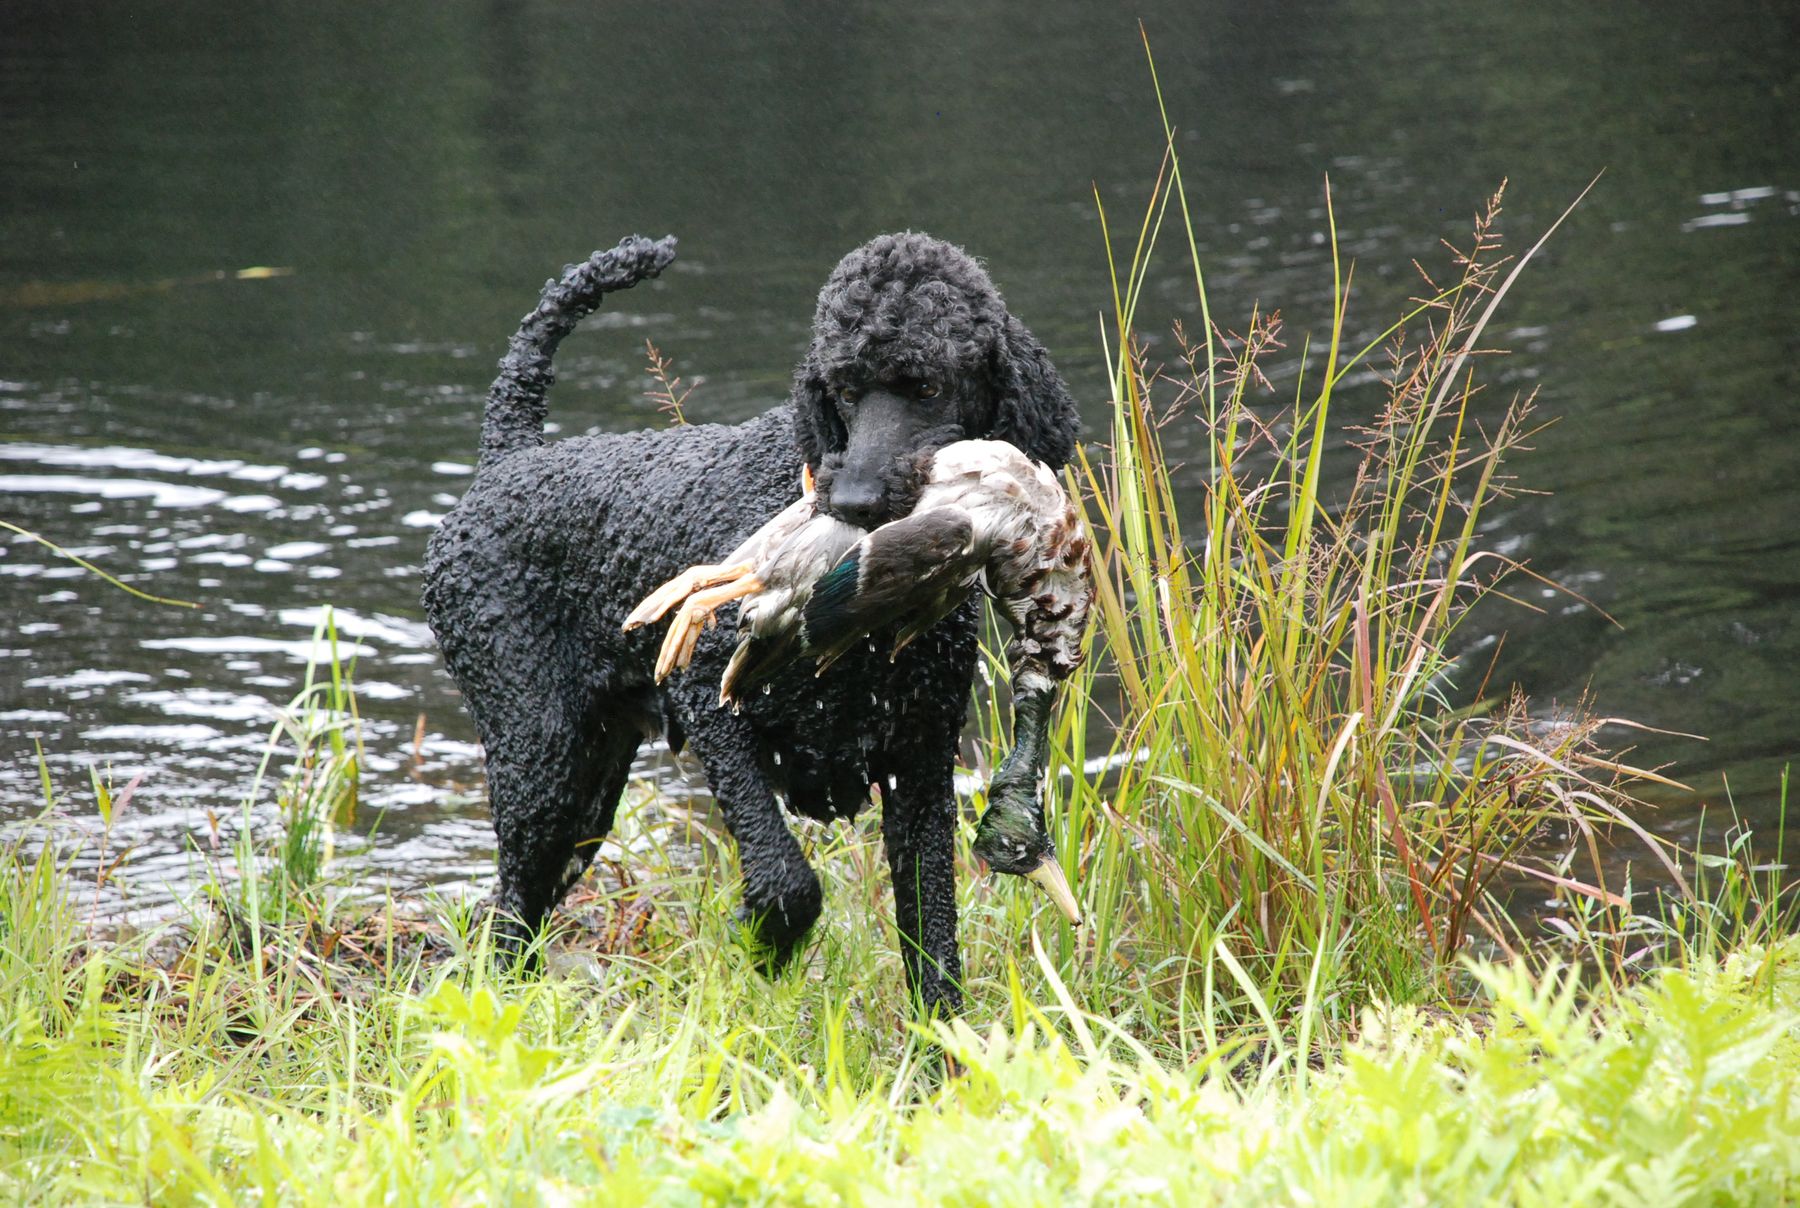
<point>1310,798</point>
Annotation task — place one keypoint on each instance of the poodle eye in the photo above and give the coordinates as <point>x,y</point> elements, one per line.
<point>849,395</point>
<point>928,390</point>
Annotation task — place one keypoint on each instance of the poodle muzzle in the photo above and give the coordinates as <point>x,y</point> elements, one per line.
<point>878,476</point>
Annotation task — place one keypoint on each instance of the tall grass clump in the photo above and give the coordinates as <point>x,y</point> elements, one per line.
<point>320,734</point>
<point>1310,797</point>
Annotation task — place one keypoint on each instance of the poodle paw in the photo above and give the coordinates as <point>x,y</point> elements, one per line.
<point>774,926</point>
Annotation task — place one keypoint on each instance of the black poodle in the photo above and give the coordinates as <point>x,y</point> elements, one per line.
<point>531,574</point>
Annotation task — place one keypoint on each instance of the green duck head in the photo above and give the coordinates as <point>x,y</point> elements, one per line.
<point>1012,838</point>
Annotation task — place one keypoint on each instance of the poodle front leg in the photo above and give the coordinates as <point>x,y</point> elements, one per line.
<point>782,895</point>
<point>915,766</point>
<point>918,826</point>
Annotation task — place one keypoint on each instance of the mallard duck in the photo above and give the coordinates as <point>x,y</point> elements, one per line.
<point>814,586</point>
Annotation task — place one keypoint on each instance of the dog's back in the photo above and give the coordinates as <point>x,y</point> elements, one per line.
<point>554,544</point>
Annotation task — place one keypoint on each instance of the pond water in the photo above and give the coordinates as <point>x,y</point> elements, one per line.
<point>269,446</point>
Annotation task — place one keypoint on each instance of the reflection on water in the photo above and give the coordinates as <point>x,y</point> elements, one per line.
<point>270,445</point>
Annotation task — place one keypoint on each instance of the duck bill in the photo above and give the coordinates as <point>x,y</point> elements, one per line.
<point>1049,876</point>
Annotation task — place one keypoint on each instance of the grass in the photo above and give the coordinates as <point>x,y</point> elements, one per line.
<point>362,1064</point>
<point>1299,983</point>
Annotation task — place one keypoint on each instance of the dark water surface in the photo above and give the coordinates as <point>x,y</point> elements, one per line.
<point>270,446</point>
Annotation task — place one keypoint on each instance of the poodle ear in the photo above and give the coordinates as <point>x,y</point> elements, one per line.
<point>1035,412</point>
<point>818,429</point>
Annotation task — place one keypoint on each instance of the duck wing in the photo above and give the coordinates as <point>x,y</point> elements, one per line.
<point>771,622</point>
<point>914,571</point>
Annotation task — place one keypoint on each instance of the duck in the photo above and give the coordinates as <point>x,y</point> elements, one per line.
<point>813,586</point>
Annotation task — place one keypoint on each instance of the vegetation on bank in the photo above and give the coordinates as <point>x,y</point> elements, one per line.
<point>1298,982</point>
<point>315,1054</point>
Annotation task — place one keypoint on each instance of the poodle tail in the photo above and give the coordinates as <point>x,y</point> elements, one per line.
<point>517,406</point>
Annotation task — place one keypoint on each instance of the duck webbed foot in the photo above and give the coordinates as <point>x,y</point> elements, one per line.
<point>678,589</point>
<point>695,616</point>
<point>701,591</point>
<point>1012,835</point>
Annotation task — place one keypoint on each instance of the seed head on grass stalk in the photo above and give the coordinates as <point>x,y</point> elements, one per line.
<point>669,395</point>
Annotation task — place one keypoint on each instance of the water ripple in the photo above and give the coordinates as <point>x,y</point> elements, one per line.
<point>160,494</point>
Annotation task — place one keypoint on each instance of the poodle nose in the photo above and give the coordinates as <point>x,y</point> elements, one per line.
<point>858,503</point>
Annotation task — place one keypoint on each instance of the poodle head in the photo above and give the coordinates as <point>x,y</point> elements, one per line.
<point>912,349</point>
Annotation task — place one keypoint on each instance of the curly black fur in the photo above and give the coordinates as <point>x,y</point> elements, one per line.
<point>530,576</point>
